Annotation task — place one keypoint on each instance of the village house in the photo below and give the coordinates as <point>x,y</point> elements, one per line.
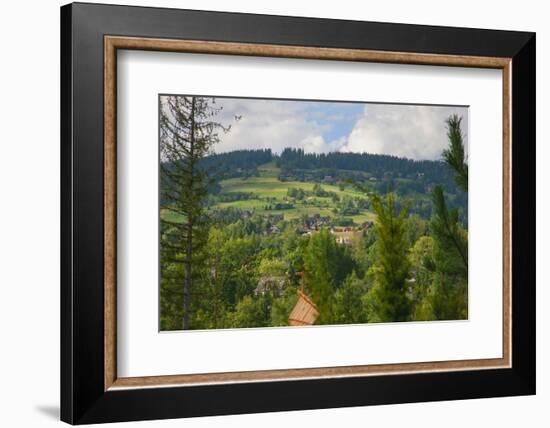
<point>275,229</point>
<point>346,235</point>
<point>275,218</point>
<point>270,284</point>
<point>316,222</point>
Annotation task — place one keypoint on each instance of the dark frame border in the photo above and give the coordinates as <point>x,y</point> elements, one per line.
<point>83,400</point>
<point>114,43</point>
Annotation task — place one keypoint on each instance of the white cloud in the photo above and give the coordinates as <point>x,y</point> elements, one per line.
<point>270,124</point>
<point>416,132</point>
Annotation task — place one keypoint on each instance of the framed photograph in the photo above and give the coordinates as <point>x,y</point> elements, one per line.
<point>266,213</point>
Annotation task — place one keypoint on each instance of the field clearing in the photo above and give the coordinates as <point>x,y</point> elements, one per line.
<point>361,218</point>
<point>289,214</point>
<point>171,216</point>
<point>269,190</point>
<point>270,186</point>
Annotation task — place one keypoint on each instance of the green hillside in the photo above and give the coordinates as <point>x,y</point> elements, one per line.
<point>268,190</point>
<point>266,194</point>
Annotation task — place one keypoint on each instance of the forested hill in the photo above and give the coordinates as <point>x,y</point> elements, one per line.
<point>375,164</point>
<point>236,160</point>
<point>409,179</point>
<point>296,164</point>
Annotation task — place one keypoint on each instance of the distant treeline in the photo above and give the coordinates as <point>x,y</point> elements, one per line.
<point>296,159</point>
<point>374,164</point>
<point>229,163</point>
<point>291,159</point>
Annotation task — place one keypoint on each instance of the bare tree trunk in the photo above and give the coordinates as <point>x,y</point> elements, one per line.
<point>190,221</point>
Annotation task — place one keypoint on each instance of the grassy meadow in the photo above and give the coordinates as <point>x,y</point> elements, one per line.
<point>267,189</point>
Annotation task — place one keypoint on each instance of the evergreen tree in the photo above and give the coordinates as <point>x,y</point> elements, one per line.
<point>348,303</point>
<point>326,265</point>
<point>448,295</point>
<point>318,275</point>
<point>451,239</point>
<point>455,155</point>
<point>253,312</point>
<point>282,307</point>
<point>422,274</point>
<point>389,300</point>
<point>187,133</point>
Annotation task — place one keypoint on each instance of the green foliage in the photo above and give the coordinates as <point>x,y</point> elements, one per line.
<point>347,165</point>
<point>455,155</point>
<point>447,297</point>
<point>282,307</point>
<point>171,293</point>
<point>318,266</point>
<point>417,227</point>
<point>252,312</point>
<point>451,240</point>
<point>347,206</point>
<point>422,276</point>
<point>389,300</point>
<point>187,133</point>
<point>246,179</point>
<point>326,264</point>
<point>348,306</point>
<point>421,261</point>
<point>272,267</point>
<point>296,192</point>
<point>319,191</point>
<point>343,222</point>
<point>237,163</point>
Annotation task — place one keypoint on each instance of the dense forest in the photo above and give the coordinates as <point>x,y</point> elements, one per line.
<point>363,238</point>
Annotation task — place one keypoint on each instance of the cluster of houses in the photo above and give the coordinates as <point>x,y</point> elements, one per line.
<point>275,218</point>
<point>312,224</point>
<point>272,220</point>
<point>344,235</point>
<point>347,235</point>
<point>315,222</point>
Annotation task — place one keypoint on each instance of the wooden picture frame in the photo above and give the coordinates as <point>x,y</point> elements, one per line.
<point>91,390</point>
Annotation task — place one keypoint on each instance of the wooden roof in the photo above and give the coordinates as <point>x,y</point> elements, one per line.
<point>305,312</point>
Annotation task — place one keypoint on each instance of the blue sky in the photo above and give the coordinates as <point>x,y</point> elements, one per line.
<point>413,131</point>
<point>336,119</point>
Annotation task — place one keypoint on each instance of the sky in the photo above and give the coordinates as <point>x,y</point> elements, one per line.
<point>412,131</point>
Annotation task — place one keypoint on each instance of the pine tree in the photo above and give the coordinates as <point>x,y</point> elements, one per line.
<point>187,134</point>
<point>448,295</point>
<point>455,155</point>
<point>326,265</point>
<point>422,272</point>
<point>348,303</point>
<point>319,273</point>
<point>389,300</point>
<point>449,236</point>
